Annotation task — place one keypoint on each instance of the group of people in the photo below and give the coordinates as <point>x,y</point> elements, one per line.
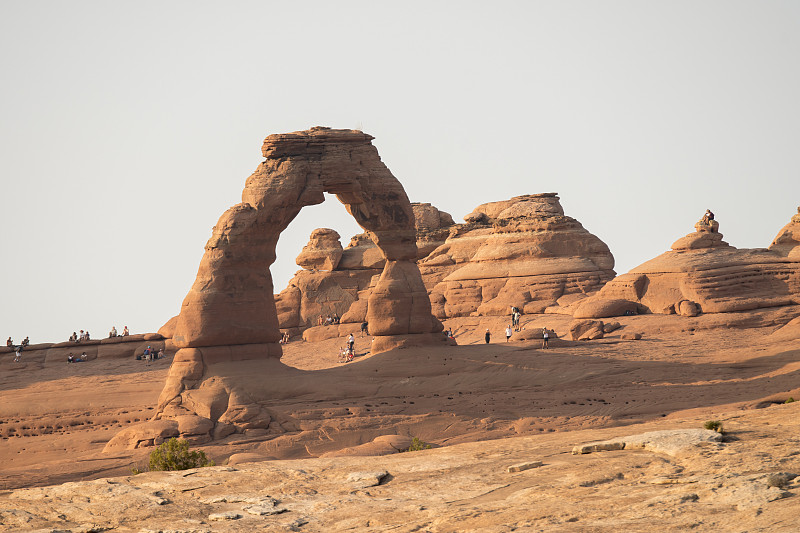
<point>509,332</point>
<point>84,336</point>
<point>329,320</point>
<point>18,347</point>
<point>515,316</point>
<point>149,355</point>
<point>113,332</point>
<point>82,358</point>
<point>284,338</point>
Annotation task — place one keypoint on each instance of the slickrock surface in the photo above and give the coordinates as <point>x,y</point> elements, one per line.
<point>747,482</point>
<point>703,274</point>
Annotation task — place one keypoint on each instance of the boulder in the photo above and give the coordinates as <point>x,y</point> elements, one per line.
<point>586,330</point>
<point>604,308</point>
<point>322,252</point>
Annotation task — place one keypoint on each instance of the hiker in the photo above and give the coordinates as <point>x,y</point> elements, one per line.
<point>508,332</point>
<point>17,354</point>
<point>351,342</point>
<point>488,336</point>
<point>364,330</point>
<point>9,342</point>
<point>160,354</point>
<point>545,337</point>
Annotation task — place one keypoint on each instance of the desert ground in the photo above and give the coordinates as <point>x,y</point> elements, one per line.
<point>483,408</point>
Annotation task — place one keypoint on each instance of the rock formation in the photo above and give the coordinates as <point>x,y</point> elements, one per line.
<point>704,274</point>
<point>322,252</point>
<point>787,243</point>
<point>523,252</point>
<point>229,313</point>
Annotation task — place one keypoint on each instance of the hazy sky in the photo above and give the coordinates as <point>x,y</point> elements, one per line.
<point>128,128</point>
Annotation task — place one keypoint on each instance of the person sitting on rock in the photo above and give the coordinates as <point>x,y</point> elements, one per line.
<point>125,331</point>
<point>9,342</point>
<point>73,337</point>
<point>707,217</point>
<point>83,358</point>
<point>26,341</point>
<point>113,332</point>
<point>70,358</point>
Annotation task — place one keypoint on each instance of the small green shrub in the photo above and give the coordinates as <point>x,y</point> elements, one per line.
<point>790,400</point>
<point>417,445</point>
<point>714,425</point>
<point>174,454</point>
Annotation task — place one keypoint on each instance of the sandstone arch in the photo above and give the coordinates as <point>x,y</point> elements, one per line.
<point>231,301</point>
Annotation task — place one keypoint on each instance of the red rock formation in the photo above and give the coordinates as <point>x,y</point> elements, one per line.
<point>231,301</point>
<point>522,252</point>
<point>703,274</point>
<point>230,315</point>
<point>322,252</point>
<point>787,242</point>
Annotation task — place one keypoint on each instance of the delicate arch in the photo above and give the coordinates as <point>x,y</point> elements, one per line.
<point>232,299</point>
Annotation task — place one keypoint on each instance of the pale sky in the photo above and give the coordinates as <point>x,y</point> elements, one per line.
<point>128,128</point>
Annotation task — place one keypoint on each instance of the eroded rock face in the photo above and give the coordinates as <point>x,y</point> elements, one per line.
<point>787,242</point>
<point>231,301</point>
<point>521,252</point>
<point>230,314</point>
<point>322,252</point>
<point>703,274</point>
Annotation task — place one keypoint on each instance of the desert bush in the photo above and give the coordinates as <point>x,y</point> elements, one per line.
<point>779,480</point>
<point>714,425</point>
<point>417,445</point>
<point>790,400</point>
<point>174,454</point>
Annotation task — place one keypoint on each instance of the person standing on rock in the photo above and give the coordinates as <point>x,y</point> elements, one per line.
<point>545,337</point>
<point>351,342</point>
<point>508,332</point>
<point>9,343</point>
<point>364,326</point>
<point>488,336</point>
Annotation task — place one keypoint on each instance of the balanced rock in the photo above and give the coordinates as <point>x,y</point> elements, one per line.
<point>322,252</point>
<point>787,242</point>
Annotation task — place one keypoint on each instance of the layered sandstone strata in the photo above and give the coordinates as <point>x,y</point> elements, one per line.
<point>704,274</point>
<point>522,252</point>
